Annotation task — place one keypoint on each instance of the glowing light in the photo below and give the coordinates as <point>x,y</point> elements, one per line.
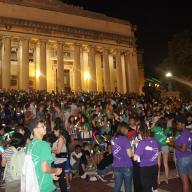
<point>86,76</point>
<point>156,85</point>
<point>168,74</point>
<point>38,73</point>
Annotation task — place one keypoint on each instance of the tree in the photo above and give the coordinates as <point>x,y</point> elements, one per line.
<point>179,61</point>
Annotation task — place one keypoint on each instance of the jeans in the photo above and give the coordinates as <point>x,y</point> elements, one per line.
<point>106,170</point>
<point>184,165</point>
<point>62,181</point>
<point>123,174</point>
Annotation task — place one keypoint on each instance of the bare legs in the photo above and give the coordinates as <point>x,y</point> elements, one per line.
<point>185,182</point>
<point>165,163</point>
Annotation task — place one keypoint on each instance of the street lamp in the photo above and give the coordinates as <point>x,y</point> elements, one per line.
<point>169,75</point>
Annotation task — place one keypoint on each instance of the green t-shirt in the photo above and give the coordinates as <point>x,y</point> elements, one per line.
<point>160,135</point>
<point>41,152</point>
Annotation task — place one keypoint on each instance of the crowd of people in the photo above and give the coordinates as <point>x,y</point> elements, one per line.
<point>47,139</point>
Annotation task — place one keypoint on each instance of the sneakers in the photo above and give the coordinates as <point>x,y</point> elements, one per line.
<point>93,178</point>
<point>68,186</point>
<point>101,178</point>
<point>84,176</point>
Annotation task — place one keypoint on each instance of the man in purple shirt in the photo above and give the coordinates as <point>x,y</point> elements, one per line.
<point>122,163</point>
<point>183,144</point>
<point>147,154</point>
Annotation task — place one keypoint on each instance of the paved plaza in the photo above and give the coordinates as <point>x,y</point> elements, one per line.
<point>79,185</point>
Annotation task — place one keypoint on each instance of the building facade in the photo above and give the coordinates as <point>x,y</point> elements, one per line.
<point>49,45</point>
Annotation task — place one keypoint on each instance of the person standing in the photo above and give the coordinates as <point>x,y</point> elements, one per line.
<point>183,145</point>
<point>159,129</point>
<point>122,162</point>
<point>147,154</point>
<point>59,150</point>
<point>42,158</point>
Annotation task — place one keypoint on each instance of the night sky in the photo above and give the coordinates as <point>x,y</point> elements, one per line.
<point>157,22</point>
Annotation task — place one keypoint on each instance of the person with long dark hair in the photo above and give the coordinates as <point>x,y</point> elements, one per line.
<point>59,150</point>
<point>159,129</point>
<point>147,154</point>
<point>122,163</point>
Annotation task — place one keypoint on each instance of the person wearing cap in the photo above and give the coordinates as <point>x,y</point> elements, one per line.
<point>183,144</point>
<point>42,158</point>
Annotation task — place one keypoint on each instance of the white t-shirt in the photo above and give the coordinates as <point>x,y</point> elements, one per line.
<point>63,150</point>
<point>72,160</point>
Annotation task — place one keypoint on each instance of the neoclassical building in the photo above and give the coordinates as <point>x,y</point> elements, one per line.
<point>49,45</point>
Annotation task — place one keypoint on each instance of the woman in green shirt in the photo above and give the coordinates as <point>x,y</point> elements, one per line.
<point>160,134</point>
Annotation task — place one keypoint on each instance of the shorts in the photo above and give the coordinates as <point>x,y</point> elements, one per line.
<point>184,165</point>
<point>67,166</point>
<point>165,149</point>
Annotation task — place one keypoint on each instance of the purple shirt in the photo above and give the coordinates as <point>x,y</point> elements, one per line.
<point>184,138</point>
<point>148,150</point>
<point>120,145</point>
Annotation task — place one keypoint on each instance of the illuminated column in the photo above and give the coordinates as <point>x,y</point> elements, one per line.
<point>60,67</point>
<point>99,72</point>
<point>51,68</point>
<point>24,64</point>
<point>135,72</point>
<point>106,71</point>
<point>43,74</point>
<point>77,68</point>
<point>124,74</point>
<point>119,72</point>
<point>112,77</point>
<point>129,72</point>
<point>6,65</point>
<point>92,65</point>
<point>37,66</point>
<point>0,63</point>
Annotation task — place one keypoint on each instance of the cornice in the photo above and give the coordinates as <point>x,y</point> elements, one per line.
<point>46,28</point>
<point>56,5</point>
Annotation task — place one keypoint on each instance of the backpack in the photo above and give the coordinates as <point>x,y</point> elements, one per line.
<point>16,163</point>
<point>29,181</point>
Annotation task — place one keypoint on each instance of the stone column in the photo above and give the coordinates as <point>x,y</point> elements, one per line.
<point>135,72</point>
<point>111,68</point>
<point>60,67</point>
<point>6,64</point>
<point>24,64</point>
<point>99,72</point>
<point>0,63</point>
<point>92,65</point>
<point>130,75</point>
<point>119,72</point>
<point>43,71</point>
<point>77,68</point>
<point>106,70</point>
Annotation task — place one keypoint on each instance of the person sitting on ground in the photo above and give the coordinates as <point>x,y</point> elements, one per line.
<point>97,154</point>
<point>86,168</point>
<point>105,166</point>
<point>75,157</point>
